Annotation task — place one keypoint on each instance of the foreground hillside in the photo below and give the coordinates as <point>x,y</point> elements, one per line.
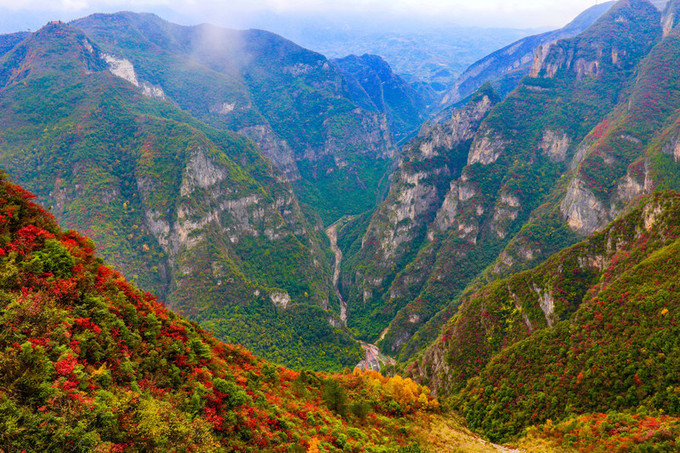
<point>88,362</point>
<point>591,330</point>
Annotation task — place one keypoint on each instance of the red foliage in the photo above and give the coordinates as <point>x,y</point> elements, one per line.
<point>66,366</point>
<point>26,239</point>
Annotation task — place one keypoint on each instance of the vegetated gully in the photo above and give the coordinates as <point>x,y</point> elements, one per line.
<point>372,351</point>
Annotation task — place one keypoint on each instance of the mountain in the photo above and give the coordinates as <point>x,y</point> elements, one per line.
<point>506,67</point>
<point>504,207</point>
<point>380,89</point>
<point>179,206</point>
<point>428,53</point>
<point>90,363</point>
<point>399,226</point>
<point>523,262</point>
<point>7,42</point>
<point>292,102</point>
<point>592,328</point>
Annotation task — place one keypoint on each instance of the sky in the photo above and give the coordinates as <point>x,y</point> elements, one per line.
<point>536,14</point>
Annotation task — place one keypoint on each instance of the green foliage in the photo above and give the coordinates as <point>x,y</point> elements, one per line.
<point>335,397</point>
<point>613,338</point>
<point>53,259</point>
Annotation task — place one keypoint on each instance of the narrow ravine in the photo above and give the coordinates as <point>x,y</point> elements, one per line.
<point>332,233</point>
<point>373,357</point>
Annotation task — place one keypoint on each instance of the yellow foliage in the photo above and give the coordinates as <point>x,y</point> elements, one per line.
<point>99,371</point>
<point>404,391</point>
<point>313,445</point>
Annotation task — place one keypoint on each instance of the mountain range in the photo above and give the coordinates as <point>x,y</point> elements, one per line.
<point>517,254</point>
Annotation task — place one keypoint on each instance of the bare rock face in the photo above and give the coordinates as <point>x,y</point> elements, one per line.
<point>672,147</point>
<point>539,58</point>
<point>547,304</point>
<point>629,188</point>
<point>274,148</point>
<point>446,215</point>
<point>581,208</point>
<point>280,298</point>
<point>123,68</point>
<point>555,145</point>
<point>487,148</point>
<point>505,212</point>
<point>416,196</point>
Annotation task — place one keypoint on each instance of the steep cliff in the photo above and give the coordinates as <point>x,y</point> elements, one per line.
<point>399,226</point>
<point>506,67</point>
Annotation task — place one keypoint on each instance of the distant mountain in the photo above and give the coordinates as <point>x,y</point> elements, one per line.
<point>504,68</point>
<point>7,42</point>
<point>427,54</point>
<point>291,101</point>
<point>378,88</point>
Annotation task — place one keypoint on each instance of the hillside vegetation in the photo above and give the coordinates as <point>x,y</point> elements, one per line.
<point>90,363</point>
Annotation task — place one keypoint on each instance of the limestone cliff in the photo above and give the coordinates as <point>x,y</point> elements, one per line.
<point>417,191</point>
<point>507,66</point>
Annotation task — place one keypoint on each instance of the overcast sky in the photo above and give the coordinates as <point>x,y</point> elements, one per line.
<point>29,14</point>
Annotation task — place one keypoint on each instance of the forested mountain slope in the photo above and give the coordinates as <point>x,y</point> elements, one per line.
<point>292,102</point>
<point>592,329</point>
<point>180,207</point>
<point>388,93</point>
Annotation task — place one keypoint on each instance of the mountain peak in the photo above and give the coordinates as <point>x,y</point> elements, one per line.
<point>50,48</point>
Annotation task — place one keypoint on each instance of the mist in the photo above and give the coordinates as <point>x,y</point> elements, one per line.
<point>379,15</point>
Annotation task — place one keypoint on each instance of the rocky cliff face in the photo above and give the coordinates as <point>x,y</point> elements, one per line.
<point>626,155</point>
<point>417,191</point>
